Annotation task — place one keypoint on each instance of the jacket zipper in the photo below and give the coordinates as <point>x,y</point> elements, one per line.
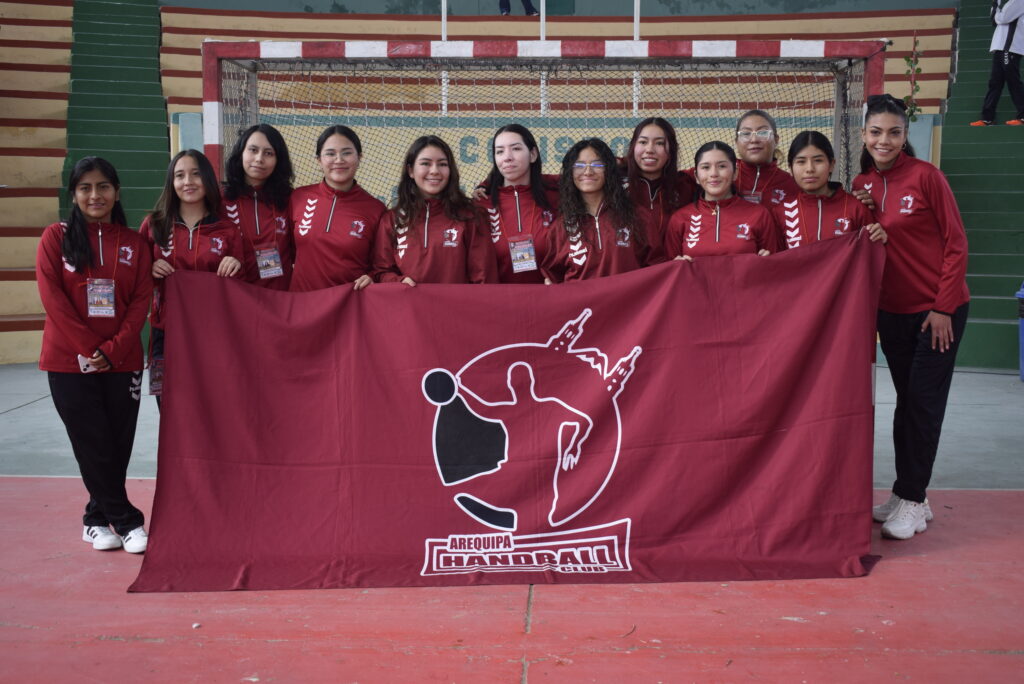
<point>597,225</point>
<point>101,246</point>
<point>426,226</point>
<point>256,211</point>
<point>718,216</point>
<point>885,191</point>
<point>519,217</point>
<point>331,214</point>
<point>757,177</point>
<point>819,219</point>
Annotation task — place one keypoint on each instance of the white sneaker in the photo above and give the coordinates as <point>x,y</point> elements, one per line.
<point>136,540</point>
<point>101,538</point>
<point>882,512</point>
<point>907,519</point>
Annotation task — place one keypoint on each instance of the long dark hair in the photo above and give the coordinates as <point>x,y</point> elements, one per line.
<point>278,186</point>
<point>165,213</point>
<point>669,174</point>
<point>616,198</point>
<point>75,246</point>
<point>715,145</point>
<point>456,205</point>
<point>495,180</point>
<point>810,139</point>
<point>884,104</point>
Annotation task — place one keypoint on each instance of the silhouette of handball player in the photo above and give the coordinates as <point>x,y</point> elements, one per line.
<point>516,436</point>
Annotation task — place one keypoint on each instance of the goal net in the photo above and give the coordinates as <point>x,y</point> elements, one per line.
<point>391,101</point>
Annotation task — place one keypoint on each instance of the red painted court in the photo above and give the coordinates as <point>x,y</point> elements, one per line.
<point>943,607</point>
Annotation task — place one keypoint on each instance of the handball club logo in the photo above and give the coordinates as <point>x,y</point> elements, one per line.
<point>523,413</point>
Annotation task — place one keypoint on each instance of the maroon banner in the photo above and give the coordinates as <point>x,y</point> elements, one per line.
<point>704,421</point>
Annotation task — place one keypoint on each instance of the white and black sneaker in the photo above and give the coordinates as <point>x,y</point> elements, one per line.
<point>136,540</point>
<point>882,512</point>
<point>101,538</point>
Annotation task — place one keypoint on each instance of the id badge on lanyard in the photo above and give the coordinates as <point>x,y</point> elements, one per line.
<point>99,295</point>
<point>269,262</point>
<point>754,197</point>
<point>156,376</point>
<point>524,256</point>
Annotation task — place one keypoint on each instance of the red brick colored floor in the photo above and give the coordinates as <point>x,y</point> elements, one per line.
<point>943,607</point>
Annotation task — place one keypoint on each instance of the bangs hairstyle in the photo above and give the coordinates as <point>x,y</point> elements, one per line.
<point>810,139</point>
<point>616,198</point>
<point>884,104</point>
<point>714,145</point>
<point>669,174</point>
<point>495,180</point>
<point>339,130</point>
<point>168,206</point>
<point>278,186</point>
<point>410,202</point>
<point>75,246</point>
<point>771,123</point>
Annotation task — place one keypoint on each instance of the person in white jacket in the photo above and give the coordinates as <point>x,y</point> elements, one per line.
<point>1007,47</point>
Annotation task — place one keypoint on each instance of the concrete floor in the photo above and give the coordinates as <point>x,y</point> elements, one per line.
<point>982,443</point>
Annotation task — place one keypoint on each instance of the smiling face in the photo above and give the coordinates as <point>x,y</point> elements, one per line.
<point>95,196</point>
<point>513,158</point>
<point>714,173</point>
<point>588,178</point>
<point>884,136</point>
<point>651,151</point>
<point>811,169</point>
<point>755,141</point>
<point>430,171</point>
<point>258,159</point>
<point>339,161</point>
<point>188,183</point>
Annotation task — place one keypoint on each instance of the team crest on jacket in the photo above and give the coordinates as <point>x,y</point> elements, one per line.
<point>125,254</point>
<point>282,225</point>
<point>358,226</point>
<point>622,237</point>
<point>907,204</point>
<point>842,226</point>
<point>540,411</point>
<point>778,196</point>
<point>547,218</point>
<point>218,245</point>
<point>451,237</point>
<point>743,231</point>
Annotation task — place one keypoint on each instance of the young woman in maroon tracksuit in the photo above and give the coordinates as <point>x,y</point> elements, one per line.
<point>822,209</point>
<point>520,204</point>
<point>656,186</point>
<point>923,306</point>
<point>719,222</point>
<point>758,176</point>
<point>433,234</point>
<point>94,281</point>
<point>259,183</point>
<point>186,232</point>
<point>597,233</point>
<point>334,222</point>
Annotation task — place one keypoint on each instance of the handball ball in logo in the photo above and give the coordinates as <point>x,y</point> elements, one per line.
<point>529,413</point>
